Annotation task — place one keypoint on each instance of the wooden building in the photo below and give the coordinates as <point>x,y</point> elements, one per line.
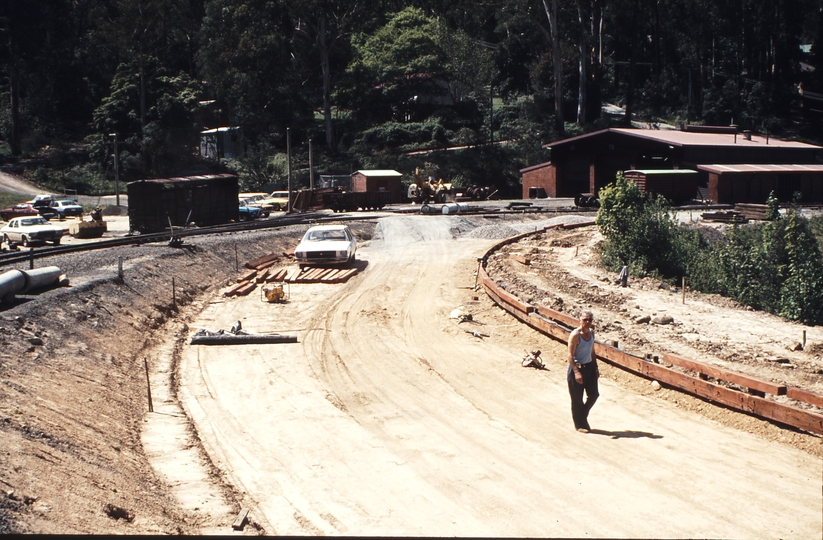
<point>204,200</point>
<point>378,180</point>
<point>586,163</point>
<point>677,185</point>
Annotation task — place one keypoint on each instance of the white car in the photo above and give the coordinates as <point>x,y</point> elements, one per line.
<point>326,244</point>
<point>30,231</point>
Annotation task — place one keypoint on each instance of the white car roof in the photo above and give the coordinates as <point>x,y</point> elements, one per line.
<point>328,228</point>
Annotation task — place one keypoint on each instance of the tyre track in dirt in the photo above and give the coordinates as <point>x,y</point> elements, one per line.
<point>389,419</point>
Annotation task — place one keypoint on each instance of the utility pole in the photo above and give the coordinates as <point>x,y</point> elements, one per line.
<point>491,113</point>
<point>288,153</point>
<point>116,171</point>
<point>311,168</point>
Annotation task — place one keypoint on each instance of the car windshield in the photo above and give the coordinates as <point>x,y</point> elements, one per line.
<point>28,222</point>
<point>314,236</point>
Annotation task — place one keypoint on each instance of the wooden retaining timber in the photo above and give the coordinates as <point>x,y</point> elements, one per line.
<point>753,401</point>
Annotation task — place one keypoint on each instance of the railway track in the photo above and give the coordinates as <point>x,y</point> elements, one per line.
<point>179,233</point>
<point>168,236</point>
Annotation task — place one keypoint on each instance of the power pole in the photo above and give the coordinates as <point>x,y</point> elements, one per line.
<point>288,154</point>
<point>116,171</point>
<point>311,168</point>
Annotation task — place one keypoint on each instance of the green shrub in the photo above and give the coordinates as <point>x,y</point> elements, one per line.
<point>639,232</point>
<point>776,266</point>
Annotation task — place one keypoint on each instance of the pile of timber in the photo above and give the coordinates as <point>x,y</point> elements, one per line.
<point>263,270</point>
<point>729,216</point>
<point>752,210</point>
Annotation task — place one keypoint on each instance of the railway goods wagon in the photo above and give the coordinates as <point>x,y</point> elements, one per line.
<point>350,201</point>
<point>204,200</point>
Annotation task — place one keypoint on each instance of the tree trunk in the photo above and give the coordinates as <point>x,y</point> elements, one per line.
<point>326,69</point>
<point>582,77</point>
<point>557,68</point>
<point>15,143</point>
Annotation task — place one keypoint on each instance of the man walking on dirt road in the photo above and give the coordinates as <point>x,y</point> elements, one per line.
<point>582,373</point>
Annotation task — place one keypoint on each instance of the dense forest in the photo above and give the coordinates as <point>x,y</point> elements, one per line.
<point>467,91</point>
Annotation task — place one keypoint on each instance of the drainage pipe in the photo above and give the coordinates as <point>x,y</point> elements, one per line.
<point>23,281</point>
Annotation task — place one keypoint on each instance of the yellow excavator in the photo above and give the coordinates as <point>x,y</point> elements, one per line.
<point>424,191</point>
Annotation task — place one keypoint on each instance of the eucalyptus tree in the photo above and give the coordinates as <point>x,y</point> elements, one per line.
<point>247,61</point>
<point>327,26</point>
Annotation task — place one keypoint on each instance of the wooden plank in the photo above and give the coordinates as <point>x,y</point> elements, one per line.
<point>725,375</point>
<point>266,265</point>
<point>246,289</point>
<point>333,275</point>
<point>262,260</point>
<point>558,316</point>
<point>509,298</point>
<point>805,396</point>
<point>550,328</point>
<point>241,520</point>
<point>231,291</point>
<point>248,276</point>
<point>313,274</point>
<point>577,225</point>
<point>325,273</point>
<point>345,275</point>
<point>279,275</point>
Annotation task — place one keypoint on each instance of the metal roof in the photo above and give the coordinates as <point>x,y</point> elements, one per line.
<point>379,172</point>
<point>760,168</point>
<point>692,138</point>
<point>651,172</point>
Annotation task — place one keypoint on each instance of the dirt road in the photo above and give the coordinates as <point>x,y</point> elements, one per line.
<point>389,418</point>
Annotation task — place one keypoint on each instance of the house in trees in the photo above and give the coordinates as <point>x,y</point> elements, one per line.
<point>728,165</point>
<point>221,143</point>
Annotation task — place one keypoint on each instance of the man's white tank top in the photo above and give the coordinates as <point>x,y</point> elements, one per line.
<point>583,351</point>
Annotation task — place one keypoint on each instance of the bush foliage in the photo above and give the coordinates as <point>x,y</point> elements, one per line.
<point>776,266</point>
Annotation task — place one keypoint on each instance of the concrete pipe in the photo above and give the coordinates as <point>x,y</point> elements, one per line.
<point>455,208</point>
<point>22,281</point>
<point>41,278</point>
<point>11,282</point>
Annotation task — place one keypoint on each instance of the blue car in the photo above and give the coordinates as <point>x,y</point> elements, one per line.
<point>246,212</point>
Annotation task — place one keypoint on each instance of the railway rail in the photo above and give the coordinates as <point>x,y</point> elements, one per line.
<point>181,232</point>
<point>169,236</point>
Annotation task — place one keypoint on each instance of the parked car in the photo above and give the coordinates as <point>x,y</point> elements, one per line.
<point>246,212</point>
<point>42,200</point>
<point>30,231</point>
<point>18,210</point>
<point>66,208</point>
<point>326,244</point>
<point>279,200</point>
<point>257,199</point>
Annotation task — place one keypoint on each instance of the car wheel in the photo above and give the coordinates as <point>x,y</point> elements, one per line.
<point>276,207</point>
<point>351,259</point>
<point>56,242</point>
<point>25,241</point>
<point>4,217</point>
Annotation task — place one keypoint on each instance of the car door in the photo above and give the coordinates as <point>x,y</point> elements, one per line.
<point>14,233</point>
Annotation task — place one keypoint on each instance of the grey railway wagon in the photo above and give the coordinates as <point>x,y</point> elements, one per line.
<point>203,200</point>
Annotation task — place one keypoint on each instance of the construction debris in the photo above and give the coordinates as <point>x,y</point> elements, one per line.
<point>237,336</point>
<point>725,216</point>
<point>752,211</point>
<point>265,273</point>
<point>533,360</point>
<point>476,334</point>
